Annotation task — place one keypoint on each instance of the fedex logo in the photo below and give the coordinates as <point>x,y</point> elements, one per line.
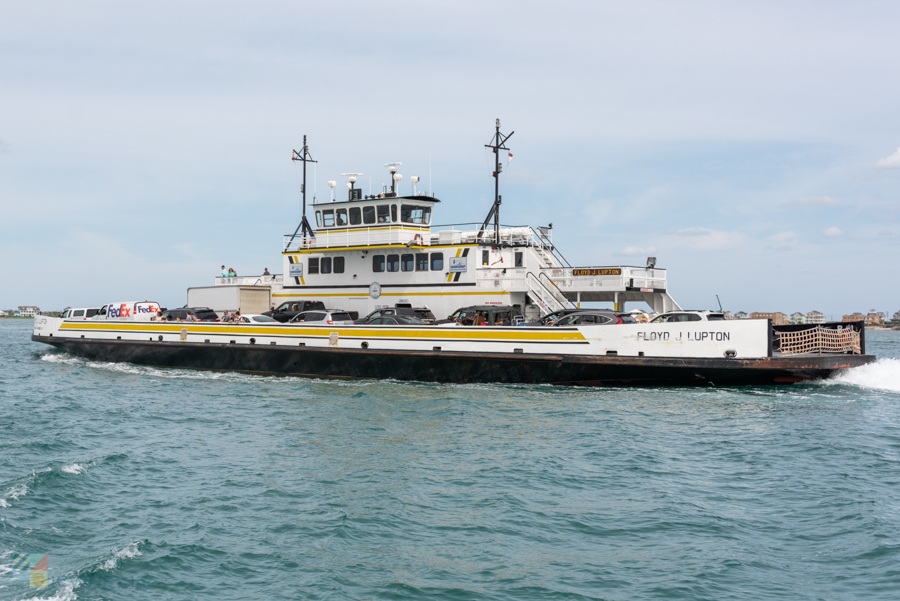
<point>145,309</point>
<point>120,311</point>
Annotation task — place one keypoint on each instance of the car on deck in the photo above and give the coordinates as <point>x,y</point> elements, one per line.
<point>286,311</point>
<point>324,317</point>
<point>680,316</point>
<point>593,318</point>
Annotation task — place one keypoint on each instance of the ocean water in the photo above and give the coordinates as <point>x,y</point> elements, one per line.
<point>142,483</point>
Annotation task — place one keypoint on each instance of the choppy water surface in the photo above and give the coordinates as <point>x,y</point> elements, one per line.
<point>168,484</point>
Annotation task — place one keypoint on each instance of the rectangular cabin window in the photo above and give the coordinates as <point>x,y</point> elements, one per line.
<point>422,262</point>
<point>406,262</point>
<point>485,257</point>
<point>325,265</point>
<point>394,213</point>
<point>384,214</point>
<point>342,216</point>
<point>318,218</point>
<point>355,216</point>
<point>393,262</point>
<point>378,263</point>
<point>328,218</point>
<point>369,214</point>
<point>313,265</point>
<point>418,214</point>
<point>339,264</point>
<point>519,260</point>
<point>79,313</point>
<point>437,261</point>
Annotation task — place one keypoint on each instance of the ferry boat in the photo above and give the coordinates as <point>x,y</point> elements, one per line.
<point>375,251</point>
<point>371,252</point>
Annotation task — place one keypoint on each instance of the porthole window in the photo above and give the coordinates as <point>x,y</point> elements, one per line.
<point>437,261</point>
<point>406,262</point>
<point>339,264</point>
<point>378,263</point>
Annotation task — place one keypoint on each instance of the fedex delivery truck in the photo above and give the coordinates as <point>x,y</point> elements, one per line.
<point>132,310</point>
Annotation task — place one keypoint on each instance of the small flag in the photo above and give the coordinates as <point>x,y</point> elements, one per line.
<point>510,159</point>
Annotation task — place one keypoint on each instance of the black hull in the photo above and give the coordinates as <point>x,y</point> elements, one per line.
<point>457,367</point>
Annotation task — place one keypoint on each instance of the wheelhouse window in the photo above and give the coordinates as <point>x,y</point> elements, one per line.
<point>341,216</point>
<point>313,265</point>
<point>355,216</point>
<point>393,262</point>
<point>394,213</point>
<point>318,218</point>
<point>406,262</point>
<point>325,265</point>
<point>384,214</point>
<point>369,214</point>
<point>328,218</point>
<point>437,261</point>
<point>422,262</point>
<point>378,263</point>
<point>339,264</point>
<point>417,214</point>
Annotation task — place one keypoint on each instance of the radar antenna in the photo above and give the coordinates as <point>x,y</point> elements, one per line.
<point>497,144</point>
<point>305,157</point>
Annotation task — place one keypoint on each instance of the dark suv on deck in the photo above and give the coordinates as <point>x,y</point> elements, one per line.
<point>485,315</point>
<point>421,313</point>
<point>201,313</point>
<point>288,310</point>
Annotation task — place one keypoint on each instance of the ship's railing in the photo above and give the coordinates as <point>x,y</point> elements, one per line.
<point>511,235</point>
<point>608,278</point>
<point>250,280</point>
<point>370,236</point>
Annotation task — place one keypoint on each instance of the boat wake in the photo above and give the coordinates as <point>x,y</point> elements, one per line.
<point>883,375</point>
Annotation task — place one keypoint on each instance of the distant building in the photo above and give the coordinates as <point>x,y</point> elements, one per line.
<point>2,313</point>
<point>728,315</point>
<point>875,318</point>
<point>778,319</point>
<point>815,317</point>
<point>854,317</point>
<point>745,315</point>
<point>798,318</point>
<point>896,316</point>
<point>28,311</point>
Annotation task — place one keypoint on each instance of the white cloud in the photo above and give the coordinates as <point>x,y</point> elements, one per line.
<point>703,238</point>
<point>781,241</point>
<point>832,232</point>
<point>636,251</point>
<point>814,201</point>
<point>891,162</point>
<point>694,231</point>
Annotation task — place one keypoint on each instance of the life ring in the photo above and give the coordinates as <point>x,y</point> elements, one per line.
<point>417,240</point>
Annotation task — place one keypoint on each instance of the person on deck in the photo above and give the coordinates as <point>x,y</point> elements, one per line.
<point>224,272</point>
<point>226,316</point>
<point>266,271</point>
<point>231,272</point>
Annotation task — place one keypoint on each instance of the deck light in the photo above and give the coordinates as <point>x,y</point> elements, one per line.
<point>651,262</point>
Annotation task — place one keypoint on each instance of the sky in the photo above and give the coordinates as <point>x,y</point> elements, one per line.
<point>753,148</point>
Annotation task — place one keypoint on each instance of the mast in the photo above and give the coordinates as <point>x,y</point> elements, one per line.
<point>497,144</point>
<point>305,157</point>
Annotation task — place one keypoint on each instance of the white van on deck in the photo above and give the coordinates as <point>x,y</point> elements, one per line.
<point>131,311</point>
